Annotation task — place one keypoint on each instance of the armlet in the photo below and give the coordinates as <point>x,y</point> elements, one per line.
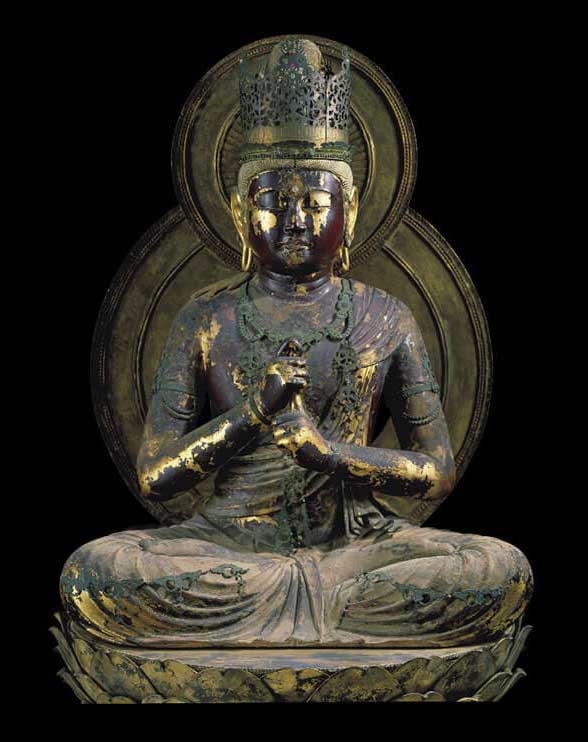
<point>178,403</point>
<point>410,390</point>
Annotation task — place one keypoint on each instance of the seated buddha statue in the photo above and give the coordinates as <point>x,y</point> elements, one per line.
<point>294,547</point>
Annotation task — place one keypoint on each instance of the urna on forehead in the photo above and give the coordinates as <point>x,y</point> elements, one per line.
<point>295,181</point>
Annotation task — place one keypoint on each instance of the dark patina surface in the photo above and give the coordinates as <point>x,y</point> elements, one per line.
<point>301,542</point>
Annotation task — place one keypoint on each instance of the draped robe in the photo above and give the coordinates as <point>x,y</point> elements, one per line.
<point>365,577</point>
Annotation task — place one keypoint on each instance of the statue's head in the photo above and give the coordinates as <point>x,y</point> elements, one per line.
<point>295,204</point>
<point>296,219</point>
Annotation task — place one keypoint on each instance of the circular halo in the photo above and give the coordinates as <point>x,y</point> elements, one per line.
<point>208,136</point>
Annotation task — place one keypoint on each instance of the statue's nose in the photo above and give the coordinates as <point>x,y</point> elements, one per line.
<point>296,220</point>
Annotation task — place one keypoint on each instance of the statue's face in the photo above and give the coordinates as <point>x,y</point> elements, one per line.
<point>295,220</point>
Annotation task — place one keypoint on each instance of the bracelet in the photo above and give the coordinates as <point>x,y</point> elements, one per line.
<point>256,409</point>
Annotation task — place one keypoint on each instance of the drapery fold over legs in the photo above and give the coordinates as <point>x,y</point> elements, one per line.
<point>195,585</point>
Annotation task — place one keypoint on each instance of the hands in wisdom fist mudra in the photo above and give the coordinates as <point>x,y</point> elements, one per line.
<point>293,428</point>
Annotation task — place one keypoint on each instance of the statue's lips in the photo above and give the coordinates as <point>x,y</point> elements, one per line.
<point>294,245</point>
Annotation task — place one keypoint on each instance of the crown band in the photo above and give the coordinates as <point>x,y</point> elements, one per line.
<point>297,151</point>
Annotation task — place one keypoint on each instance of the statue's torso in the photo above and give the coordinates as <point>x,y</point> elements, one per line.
<point>250,485</point>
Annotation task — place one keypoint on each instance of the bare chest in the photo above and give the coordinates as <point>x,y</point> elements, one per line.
<point>233,365</point>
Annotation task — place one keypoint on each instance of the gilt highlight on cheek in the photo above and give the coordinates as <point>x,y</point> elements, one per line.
<point>262,220</point>
<point>319,220</point>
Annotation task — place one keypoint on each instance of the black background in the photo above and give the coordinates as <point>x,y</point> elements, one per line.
<point>112,92</point>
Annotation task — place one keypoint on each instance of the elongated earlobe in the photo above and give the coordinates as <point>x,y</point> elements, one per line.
<point>239,215</point>
<point>237,212</point>
<point>352,208</point>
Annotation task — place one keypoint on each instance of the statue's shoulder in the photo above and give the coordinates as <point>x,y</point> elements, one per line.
<point>379,316</point>
<point>208,298</point>
<point>377,300</point>
<point>225,287</point>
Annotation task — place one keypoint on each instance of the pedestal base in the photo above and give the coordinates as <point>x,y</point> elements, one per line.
<point>102,673</point>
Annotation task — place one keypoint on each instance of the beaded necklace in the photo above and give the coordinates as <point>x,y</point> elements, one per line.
<point>293,528</point>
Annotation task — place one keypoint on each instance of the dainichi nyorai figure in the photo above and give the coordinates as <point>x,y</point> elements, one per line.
<point>294,548</point>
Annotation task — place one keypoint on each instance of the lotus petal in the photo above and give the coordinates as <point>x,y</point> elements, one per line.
<point>420,697</point>
<point>517,647</point>
<point>466,675</point>
<point>65,651</point>
<point>419,675</point>
<point>120,676</point>
<point>60,620</point>
<point>84,653</point>
<point>294,685</point>
<point>228,686</point>
<point>120,699</point>
<point>78,691</point>
<point>514,678</point>
<point>410,698</point>
<point>153,699</point>
<point>358,684</point>
<point>91,687</point>
<point>169,678</point>
<point>501,650</point>
<point>432,695</point>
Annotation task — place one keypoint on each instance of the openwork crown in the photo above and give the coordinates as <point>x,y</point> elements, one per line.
<point>296,98</point>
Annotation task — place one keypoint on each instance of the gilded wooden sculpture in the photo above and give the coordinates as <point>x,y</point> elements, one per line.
<point>302,553</point>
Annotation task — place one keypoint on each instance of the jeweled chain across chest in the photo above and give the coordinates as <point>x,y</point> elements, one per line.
<point>257,334</point>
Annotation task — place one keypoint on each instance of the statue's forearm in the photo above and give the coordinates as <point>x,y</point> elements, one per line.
<point>394,471</point>
<point>180,464</point>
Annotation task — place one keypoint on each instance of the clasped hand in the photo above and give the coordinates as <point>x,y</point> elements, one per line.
<point>293,429</point>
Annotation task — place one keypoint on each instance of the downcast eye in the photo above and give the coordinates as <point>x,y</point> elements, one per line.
<point>316,200</point>
<point>270,199</point>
